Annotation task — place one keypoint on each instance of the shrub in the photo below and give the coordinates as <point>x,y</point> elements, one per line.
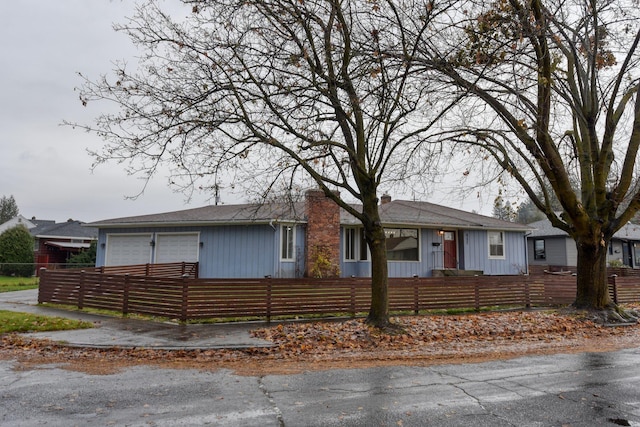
<point>84,258</point>
<point>16,252</point>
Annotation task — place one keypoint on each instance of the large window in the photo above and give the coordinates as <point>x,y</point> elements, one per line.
<point>402,244</point>
<point>496,244</point>
<point>355,246</point>
<point>538,249</point>
<point>287,240</point>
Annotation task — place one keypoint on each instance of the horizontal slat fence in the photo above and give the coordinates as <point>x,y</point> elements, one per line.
<point>170,269</point>
<point>185,299</point>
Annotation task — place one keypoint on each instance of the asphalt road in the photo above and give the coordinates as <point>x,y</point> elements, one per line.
<point>592,389</point>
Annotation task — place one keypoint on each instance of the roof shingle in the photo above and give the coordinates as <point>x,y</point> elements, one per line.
<point>394,213</point>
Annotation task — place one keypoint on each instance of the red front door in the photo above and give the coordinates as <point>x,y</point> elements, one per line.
<point>450,250</point>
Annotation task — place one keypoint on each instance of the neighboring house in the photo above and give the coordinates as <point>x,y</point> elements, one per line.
<point>314,237</point>
<point>54,243</point>
<point>550,246</point>
<point>17,220</point>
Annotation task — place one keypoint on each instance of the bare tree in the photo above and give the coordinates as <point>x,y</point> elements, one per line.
<point>554,85</point>
<point>273,92</point>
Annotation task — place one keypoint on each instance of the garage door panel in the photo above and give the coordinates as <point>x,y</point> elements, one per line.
<point>177,247</point>
<point>128,249</point>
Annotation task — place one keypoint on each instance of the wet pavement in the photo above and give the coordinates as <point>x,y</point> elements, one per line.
<point>570,390</point>
<point>129,333</point>
<point>564,390</point>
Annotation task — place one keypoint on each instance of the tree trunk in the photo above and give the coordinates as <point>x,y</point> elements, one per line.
<point>593,289</point>
<point>375,237</point>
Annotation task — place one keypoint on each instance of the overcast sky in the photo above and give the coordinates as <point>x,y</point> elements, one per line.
<point>45,165</point>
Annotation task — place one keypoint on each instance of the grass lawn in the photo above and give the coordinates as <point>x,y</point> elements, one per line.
<point>10,284</point>
<point>12,321</point>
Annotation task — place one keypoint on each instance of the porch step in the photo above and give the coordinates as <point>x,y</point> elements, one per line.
<point>455,272</point>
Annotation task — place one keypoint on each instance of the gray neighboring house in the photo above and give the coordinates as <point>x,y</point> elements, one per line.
<point>280,240</point>
<point>550,246</point>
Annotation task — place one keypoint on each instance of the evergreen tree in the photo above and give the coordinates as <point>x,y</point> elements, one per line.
<point>503,210</point>
<point>8,209</point>
<point>16,252</point>
<point>527,213</point>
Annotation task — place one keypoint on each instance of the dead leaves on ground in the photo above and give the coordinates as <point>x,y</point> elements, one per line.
<point>354,335</point>
<point>330,344</point>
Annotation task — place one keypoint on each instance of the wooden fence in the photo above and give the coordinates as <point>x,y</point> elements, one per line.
<point>170,269</point>
<point>184,298</point>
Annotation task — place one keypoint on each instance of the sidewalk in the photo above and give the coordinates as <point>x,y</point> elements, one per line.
<point>128,333</point>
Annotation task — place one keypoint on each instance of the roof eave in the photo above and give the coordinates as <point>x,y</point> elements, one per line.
<point>49,236</point>
<point>456,226</point>
<point>194,223</point>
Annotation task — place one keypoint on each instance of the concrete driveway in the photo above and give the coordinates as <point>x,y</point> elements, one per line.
<point>126,332</point>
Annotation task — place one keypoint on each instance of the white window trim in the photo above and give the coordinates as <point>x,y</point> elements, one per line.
<point>356,244</point>
<point>293,249</point>
<point>504,245</point>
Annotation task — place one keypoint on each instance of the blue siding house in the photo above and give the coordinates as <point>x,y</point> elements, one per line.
<point>552,248</point>
<point>288,240</point>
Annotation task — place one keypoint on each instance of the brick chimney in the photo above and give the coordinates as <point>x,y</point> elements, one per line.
<point>385,199</point>
<point>323,235</point>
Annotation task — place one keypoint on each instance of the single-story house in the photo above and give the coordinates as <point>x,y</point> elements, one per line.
<point>550,246</point>
<point>315,237</point>
<point>15,221</point>
<point>54,243</point>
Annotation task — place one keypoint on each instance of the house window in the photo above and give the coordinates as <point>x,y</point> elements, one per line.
<point>350,238</point>
<point>538,249</point>
<point>288,237</point>
<point>364,248</point>
<point>402,244</point>
<point>496,244</point>
<point>355,245</point>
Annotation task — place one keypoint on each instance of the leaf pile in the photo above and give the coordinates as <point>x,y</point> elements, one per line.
<point>302,346</point>
<point>354,335</point>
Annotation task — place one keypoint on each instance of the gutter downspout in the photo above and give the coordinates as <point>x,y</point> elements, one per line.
<point>276,255</point>
<point>526,253</point>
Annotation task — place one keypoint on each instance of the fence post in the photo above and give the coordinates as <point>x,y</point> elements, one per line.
<point>527,292</point>
<point>352,295</point>
<point>614,287</point>
<point>81,291</point>
<point>125,295</point>
<point>476,294</point>
<point>147,269</point>
<point>185,300</point>
<point>416,294</point>
<point>269,298</point>
<point>41,284</point>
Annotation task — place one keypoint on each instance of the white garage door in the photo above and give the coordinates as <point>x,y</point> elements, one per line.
<point>177,247</point>
<point>128,249</point>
